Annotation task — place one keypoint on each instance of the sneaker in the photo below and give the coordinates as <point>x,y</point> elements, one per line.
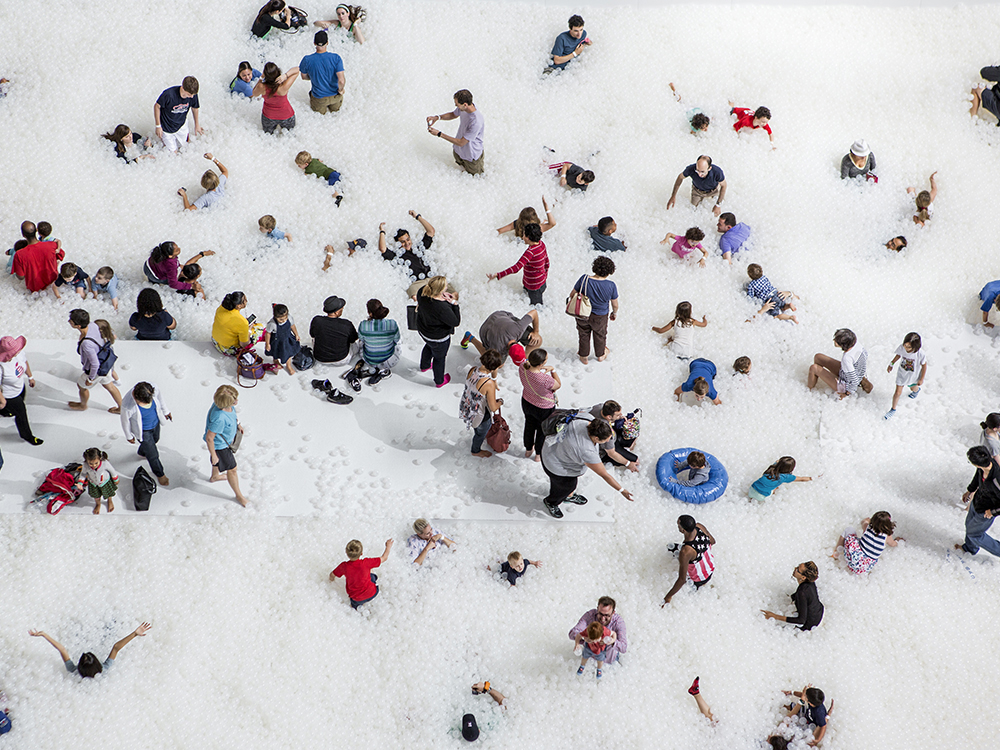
<point>889,414</point>
<point>466,339</point>
<point>579,671</point>
<point>336,397</point>
<point>425,369</point>
<point>35,441</point>
<point>379,376</point>
<point>338,199</point>
<point>599,673</point>
<point>553,511</point>
<point>443,383</point>
<point>694,689</point>
<point>673,548</point>
<point>866,385</point>
<point>354,380</point>
<point>914,393</point>
<point>358,366</point>
<point>322,385</point>
<point>576,500</point>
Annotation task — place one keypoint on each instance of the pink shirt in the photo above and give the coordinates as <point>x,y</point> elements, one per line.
<point>682,249</point>
<point>277,107</point>
<point>537,387</point>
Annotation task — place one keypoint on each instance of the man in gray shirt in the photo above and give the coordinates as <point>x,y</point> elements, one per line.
<point>568,454</point>
<point>502,330</point>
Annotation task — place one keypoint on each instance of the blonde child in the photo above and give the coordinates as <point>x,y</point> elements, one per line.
<point>361,582</point>
<point>267,225</point>
<point>106,282</point>
<point>925,202</point>
<point>305,162</point>
<point>681,341</point>
<point>215,187</point>
<point>593,643</point>
<point>281,338</point>
<point>861,553</point>
<point>75,277</point>
<point>683,246</point>
<point>911,372</point>
<point>100,478</point>
<point>515,567</point>
<point>777,474</point>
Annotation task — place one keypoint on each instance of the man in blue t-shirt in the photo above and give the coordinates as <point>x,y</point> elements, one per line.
<point>325,70</point>
<point>171,110</point>
<point>989,296</point>
<point>734,236</point>
<point>810,707</point>
<point>701,376</point>
<point>569,44</point>
<point>707,181</point>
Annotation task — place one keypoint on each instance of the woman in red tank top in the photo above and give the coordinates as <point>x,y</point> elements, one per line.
<point>273,87</point>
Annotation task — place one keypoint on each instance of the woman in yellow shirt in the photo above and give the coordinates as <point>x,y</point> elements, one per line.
<point>230,330</point>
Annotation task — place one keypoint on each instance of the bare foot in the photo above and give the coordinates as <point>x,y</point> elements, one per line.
<point>115,410</point>
<point>164,481</point>
<point>111,505</point>
<point>958,546</point>
<point>77,406</point>
<point>483,454</point>
<point>529,453</point>
<point>216,477</point>
<point>602,358</point>
<point>97,509</point>
<point>794,320</point>
<point>242,500</point>
<point>582,359</point>
<point>538,458</point>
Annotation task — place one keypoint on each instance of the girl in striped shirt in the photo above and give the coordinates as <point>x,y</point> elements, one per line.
<point>861,553</point>
<point>534,261</point>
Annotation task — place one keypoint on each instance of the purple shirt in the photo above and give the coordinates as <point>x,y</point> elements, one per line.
<point>617,624</point>
<point>471,128</point>
<point>88,349</point>
<point>167,270</point>
<point>734,239</point>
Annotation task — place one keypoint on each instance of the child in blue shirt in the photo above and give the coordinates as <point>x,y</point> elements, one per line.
<point>515,567</point>
<point>245,79</point>
<point>75,277</point>
<point>989,295</point>
<point>267,225</point>
<point>105,281</point>
<point>778,473</point>
<point>695,470</point>
<point>701,374</point>
<point>774,302</point>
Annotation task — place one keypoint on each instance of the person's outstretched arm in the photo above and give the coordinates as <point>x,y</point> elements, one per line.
<point>603,474</point>
<point>683,560</point>
<point>428,228</point>
<point>722,196</point>
<point>140,631</point>
<point>58,646</point>
<point>219,164</point>
<point>388,549</point>
<point>933,188</point>
<point>677,186</point>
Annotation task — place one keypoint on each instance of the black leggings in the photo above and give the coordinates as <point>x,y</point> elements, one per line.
<point>559,487</point>
<point>15,408</point>
<point>533,418</point>
<point>434,354</point>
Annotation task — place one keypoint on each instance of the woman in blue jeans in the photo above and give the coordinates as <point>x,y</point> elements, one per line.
<point>479,400</point>
<point>983,493</point>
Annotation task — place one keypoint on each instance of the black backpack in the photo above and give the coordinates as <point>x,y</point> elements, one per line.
<point>106,356</point>
<point>557,420</point>
<point>143,488</point>
<point>304,359</point>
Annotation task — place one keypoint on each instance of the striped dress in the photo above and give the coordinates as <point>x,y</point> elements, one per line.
<point>702,566</point>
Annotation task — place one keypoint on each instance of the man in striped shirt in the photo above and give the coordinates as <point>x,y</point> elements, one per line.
<point>846,375</point>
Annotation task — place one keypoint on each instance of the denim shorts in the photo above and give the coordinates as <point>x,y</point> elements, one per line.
<point>588,654</point>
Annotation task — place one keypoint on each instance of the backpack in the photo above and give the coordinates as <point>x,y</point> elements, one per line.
<point>304,359</point>
<point>557,420</point>
<point>60,488</point>
<point>143,488</point>
<point>106,356</point>
<point>628,426</point>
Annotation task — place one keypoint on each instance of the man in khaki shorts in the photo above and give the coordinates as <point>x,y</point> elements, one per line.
<point>707,181</point>
<point>468,141</point>
<point>325,70</point>
<point>89,348</point>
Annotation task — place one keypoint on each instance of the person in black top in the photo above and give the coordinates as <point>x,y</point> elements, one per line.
<point>437,316</point>
<point>150,321</point>
<point>268,18</point>
<point>123,137</point>
<point>808,607</point>
<point>984,493</point>
<point>418,267</point>
<point>335,341</point>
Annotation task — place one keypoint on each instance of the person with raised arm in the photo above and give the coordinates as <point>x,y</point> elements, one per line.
<point>89,665</point>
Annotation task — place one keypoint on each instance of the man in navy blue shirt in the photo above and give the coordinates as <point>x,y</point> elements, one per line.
<point>707,181</point>
<point>171,110</point>
<point>569,44</point>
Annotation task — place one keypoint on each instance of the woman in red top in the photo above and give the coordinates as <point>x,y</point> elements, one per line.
<point>274,86</point>
<point>534,261</point>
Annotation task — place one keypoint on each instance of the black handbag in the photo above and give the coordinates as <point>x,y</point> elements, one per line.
<point>411,317</point>
<point>143,488</point>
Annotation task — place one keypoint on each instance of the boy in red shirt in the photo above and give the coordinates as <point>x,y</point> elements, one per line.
<point>748,118</point>
<point>361,586</point>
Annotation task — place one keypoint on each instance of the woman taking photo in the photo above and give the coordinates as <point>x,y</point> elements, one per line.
<point>162,268</point>
<point>479,400</point>
<point>438,315</point>
<point>274,88</point>
<point>348,17</point>
<point>231,332</point>
<point>221,429</point>
<point>538,399</point>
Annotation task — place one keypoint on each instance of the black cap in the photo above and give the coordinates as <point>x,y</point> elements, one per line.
<point>470,730</point>
<point>321,39</point>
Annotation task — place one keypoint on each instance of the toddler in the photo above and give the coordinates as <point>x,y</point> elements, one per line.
<point>862,553</point>
<point>361,582</point>
<point>106,282</point>
<point>215,187</point>
<point>925,202</point>
<point>305,162</point>
<point>683,246</point>
<point>694,468</point>
<point>593,643</point>
<point>911,372</point>
<point>774,302</point>
<point>753,119</point>
<point>281,338</point>
<point>778,473</point>
<point>515,567</point>
<point>742,366</point>
<point>267,225</point>
<point>100,478</point>
<point>681,341</point>
<point>45,232</point>
<point>74,276</point>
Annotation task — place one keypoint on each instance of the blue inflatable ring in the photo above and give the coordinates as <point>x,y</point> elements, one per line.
<point>713,489</point>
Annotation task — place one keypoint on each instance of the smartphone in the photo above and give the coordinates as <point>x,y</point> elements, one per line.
<point>251,319</point>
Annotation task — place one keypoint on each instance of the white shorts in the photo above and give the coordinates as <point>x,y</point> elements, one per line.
<point>906,377</point>
<point>173,141</point>
<point>101,380</point>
